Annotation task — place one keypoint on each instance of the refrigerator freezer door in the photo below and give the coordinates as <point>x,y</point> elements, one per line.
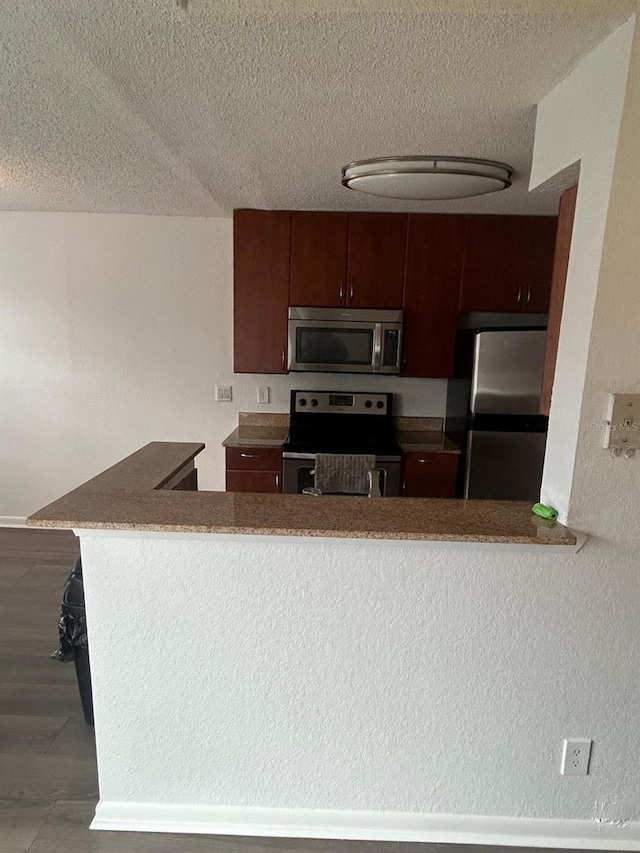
<point>504,465</point>
<point>507,372</point>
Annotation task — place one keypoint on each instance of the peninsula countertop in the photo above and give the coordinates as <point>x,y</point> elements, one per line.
<point>134,494</point>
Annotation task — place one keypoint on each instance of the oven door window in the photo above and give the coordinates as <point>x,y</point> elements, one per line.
<point>305,478</point>
<point>334,346</point>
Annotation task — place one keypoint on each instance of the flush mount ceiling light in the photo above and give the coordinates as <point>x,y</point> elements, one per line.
<point>426,178</point>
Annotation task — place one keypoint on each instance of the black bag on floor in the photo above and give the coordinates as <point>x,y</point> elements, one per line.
<point>74,643</point>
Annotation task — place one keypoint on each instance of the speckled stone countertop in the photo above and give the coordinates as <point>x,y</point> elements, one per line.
<point>129,496</point>
<point>259,429</point>
<point>425,441</point>
<point>421,435</point>
<point>148,468</point>
<point>257,436</point>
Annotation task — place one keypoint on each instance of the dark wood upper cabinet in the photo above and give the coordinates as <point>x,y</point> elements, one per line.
<point>435,246</point>
<point>508,263</point>
<point>560,268</point>
<point>375,270</point>
<point>261,251</point>
<point>539,271</point>
<point>495,262</point>
<point>318,258</point>
<point>429,265</point>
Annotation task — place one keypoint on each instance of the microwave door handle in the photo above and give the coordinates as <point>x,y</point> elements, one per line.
<point>377,347</point>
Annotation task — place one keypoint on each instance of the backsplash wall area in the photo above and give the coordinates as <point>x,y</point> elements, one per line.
<point>415,397</point>
<point>115,330</point>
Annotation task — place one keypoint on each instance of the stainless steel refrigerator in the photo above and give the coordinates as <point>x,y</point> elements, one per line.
<point>502,433</point>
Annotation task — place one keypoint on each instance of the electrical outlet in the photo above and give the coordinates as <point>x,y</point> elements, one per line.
<point>264,394</point>
<point>223,393</point>
<point>575,757</point>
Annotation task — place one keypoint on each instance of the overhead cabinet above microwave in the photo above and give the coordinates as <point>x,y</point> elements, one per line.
<point>428,266</point>
<point>353,260</point>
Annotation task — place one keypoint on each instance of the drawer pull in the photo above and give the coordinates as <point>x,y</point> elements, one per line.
<point>250,455</point>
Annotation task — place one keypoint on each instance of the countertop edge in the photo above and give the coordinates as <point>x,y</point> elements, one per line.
<point>562,545</point>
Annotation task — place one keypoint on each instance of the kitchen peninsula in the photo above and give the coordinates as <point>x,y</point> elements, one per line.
<point>252,654</point>
<point>144,493</point>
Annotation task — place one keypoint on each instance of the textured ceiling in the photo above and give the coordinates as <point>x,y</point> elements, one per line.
<point>142,106</point>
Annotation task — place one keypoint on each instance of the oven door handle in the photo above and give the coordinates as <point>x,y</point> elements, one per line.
<point>373,475</point>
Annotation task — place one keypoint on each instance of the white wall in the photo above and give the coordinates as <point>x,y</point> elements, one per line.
<point>338,682</point>
<point>353,681</point>
<point>578,122</point>
<point>114,331</point>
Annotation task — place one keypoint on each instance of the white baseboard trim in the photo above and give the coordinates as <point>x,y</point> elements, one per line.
<point>367,826</point>
<point>13,520</point>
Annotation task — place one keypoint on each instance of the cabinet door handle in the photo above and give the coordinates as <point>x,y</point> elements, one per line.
<point>250,455</point>
<point>341,292</point>
<point>350,292</point>
<point>519,299</point>
<point>277,481</point>
<point>284,355</point>
<point>528,294</point>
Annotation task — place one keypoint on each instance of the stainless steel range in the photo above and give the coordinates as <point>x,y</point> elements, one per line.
<point>354,424</point>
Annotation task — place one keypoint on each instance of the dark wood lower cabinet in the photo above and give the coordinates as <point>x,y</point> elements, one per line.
<point>264,482</point>
<point>254,469</point>
<point>430,475</point>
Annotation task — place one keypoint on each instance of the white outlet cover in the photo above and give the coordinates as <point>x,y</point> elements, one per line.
<point>575,757</point>
<point>623,427</point>
<point>264,394</point>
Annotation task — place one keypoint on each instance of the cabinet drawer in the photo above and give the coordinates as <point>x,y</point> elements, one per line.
<point>259,482</point>
<point>430,475</point>
<point>254,458</point>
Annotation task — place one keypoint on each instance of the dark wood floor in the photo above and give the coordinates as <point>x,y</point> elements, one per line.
<point>48,784</point>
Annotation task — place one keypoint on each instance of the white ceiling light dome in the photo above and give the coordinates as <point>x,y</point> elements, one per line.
<point>426,178</point>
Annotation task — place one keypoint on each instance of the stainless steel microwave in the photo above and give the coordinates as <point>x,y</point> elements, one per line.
<point>343,340</point>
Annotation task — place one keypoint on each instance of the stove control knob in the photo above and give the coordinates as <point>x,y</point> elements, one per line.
<point>302,402</point>
<point>314,402</point>
<point>368,404</point>
<point>380,404</point>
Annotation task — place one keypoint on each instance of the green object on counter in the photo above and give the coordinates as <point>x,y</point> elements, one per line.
<point>545,511</point>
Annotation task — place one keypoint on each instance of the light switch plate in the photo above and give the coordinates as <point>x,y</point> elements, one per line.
<point>223,393</point>
<point>623,428</point>
<point>264,394</point>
